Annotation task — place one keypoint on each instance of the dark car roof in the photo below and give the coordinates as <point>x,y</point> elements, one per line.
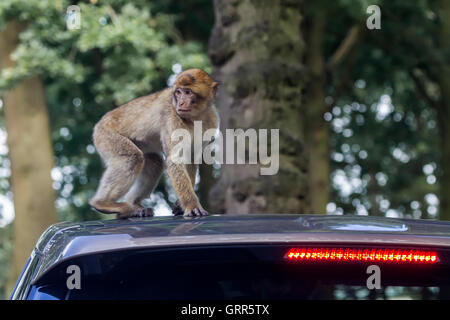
<point>66,240</point>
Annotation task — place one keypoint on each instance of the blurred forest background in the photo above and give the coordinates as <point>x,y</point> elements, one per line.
<point>364,115</point>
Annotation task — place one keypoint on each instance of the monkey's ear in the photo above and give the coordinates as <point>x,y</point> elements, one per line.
<point>215,87</point>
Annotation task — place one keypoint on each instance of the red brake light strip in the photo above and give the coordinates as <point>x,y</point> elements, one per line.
<point>359,254</point>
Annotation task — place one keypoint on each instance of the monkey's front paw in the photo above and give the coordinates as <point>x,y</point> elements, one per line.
<point>145,212</point>
<point>196,212</point>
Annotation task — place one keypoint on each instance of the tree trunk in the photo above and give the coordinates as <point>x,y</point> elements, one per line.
<point>317,134</point>
<point>444,111</point>
<point>256,49</point>
<point>31,156</point>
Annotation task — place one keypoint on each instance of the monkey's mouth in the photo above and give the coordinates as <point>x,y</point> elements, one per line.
<point>184,110</point>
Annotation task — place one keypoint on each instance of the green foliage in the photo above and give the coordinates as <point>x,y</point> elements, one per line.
<point>130,50</point>
<point>384,137</point>
<point>193,18</point>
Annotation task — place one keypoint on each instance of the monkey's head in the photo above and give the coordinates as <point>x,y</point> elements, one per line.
<point>193,93</point>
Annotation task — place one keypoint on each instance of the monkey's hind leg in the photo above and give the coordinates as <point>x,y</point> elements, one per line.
<point>116,181</point>
<point>147,180</point>
<point>120,174</point>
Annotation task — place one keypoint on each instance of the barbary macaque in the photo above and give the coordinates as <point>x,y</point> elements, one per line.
<point>134,141</point>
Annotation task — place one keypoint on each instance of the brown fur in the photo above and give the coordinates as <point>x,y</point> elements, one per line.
<point>196,80</point>
<point>133,138</point>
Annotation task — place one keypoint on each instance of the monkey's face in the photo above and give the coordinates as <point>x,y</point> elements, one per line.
<point>186,102</point>
<point>194,91</point>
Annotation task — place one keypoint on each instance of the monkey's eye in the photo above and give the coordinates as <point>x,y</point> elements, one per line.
<point>188,92</point>
<point>178,91</point>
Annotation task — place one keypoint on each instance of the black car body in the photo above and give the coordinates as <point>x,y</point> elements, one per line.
<point>238,257</point>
